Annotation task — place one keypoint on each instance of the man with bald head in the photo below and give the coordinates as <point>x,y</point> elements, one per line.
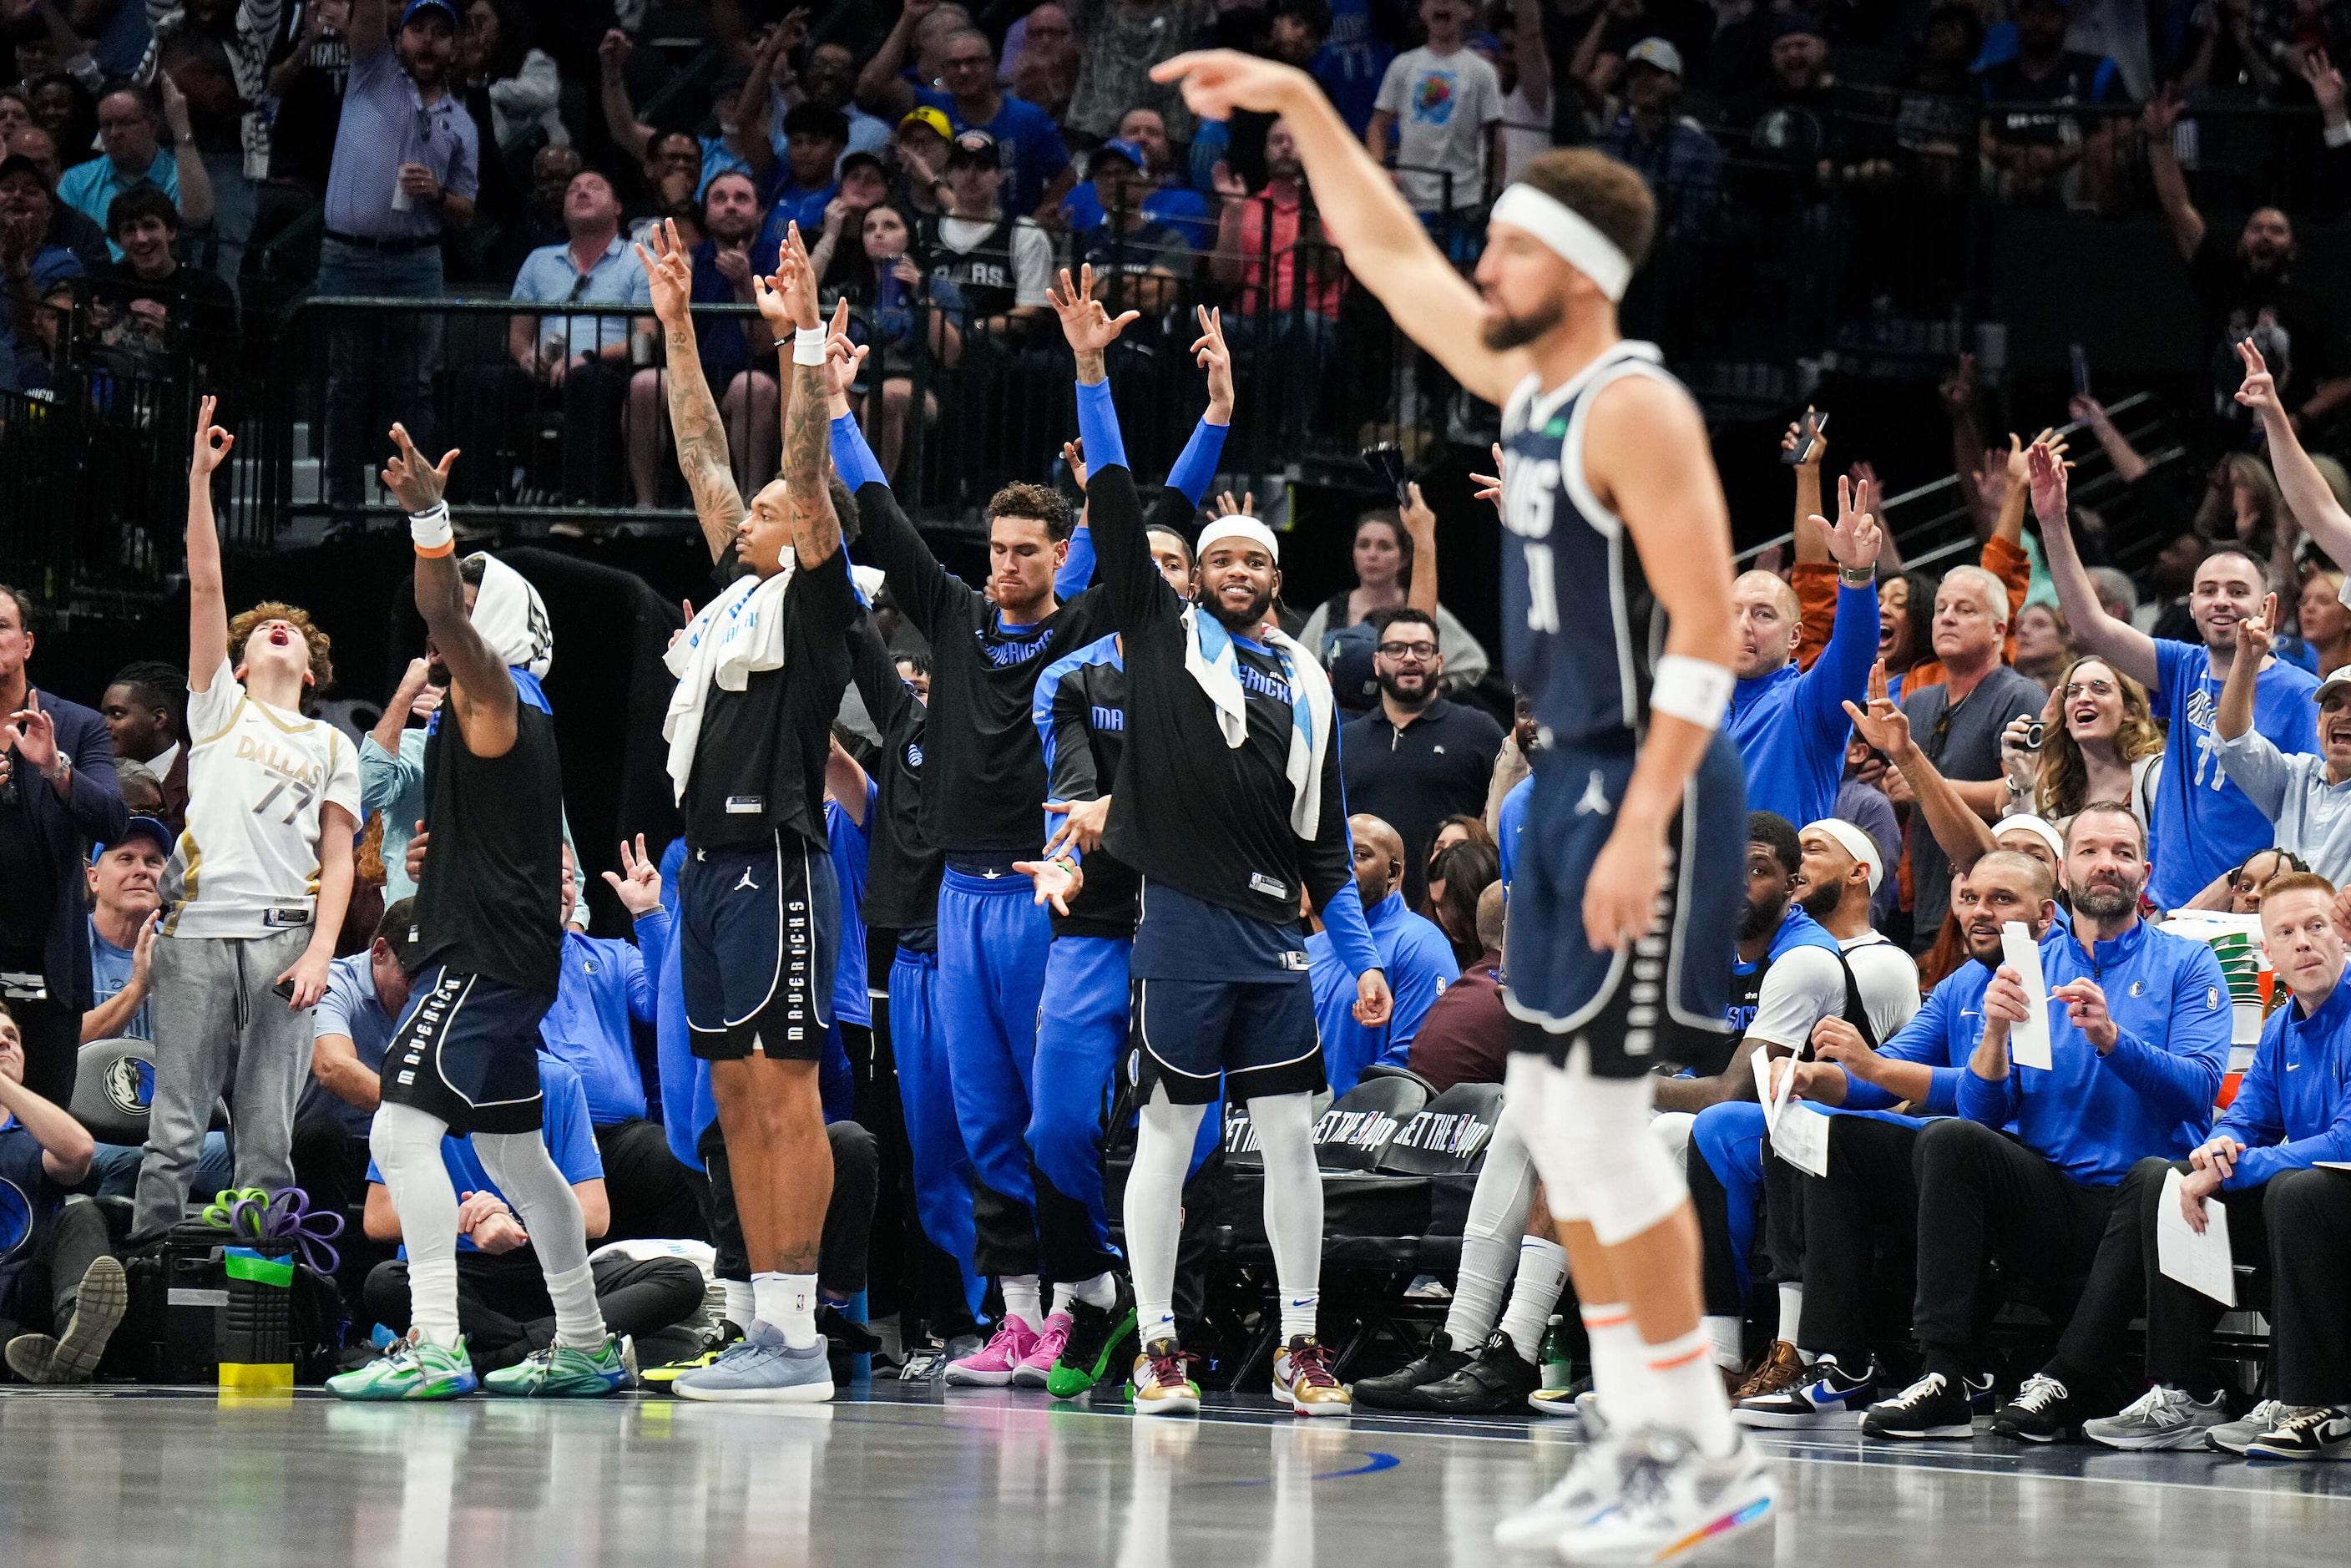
<point>1790,725</point>
<point>1418,959</point>
<point>1870,1189</point>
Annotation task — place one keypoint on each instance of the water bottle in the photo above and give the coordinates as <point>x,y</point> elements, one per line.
<point>1556,1366</point>
<point>891,319</point>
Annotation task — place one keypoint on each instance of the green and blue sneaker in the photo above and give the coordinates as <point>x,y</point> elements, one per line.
<point>561,1372</point>
<point>410,1368</point>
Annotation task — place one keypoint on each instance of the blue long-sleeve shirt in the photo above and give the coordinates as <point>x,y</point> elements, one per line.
<point>1419,964</point>
<point>2095,1116</point>
<point>605,986</point>
<point>1790,725</point>
<point>1941,1037</point>
<point>2293,1107</point>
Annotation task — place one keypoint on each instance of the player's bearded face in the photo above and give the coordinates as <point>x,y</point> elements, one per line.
<point>1503,330</point>
<point>1238,587</point>
<point>765,535</point>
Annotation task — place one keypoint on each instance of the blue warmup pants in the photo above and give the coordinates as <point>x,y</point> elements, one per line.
<point>1726,1177</point>
<point>942,1169</point>
<point>1081,1025</point>
<point>993,942</point>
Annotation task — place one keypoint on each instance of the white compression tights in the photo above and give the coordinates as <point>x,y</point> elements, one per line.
<point>1491,1234</point>
<point>1155,1199</point>
<point>407,1144</point>
<point>549,1210</point>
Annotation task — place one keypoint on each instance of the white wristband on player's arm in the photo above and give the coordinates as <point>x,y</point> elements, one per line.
<point>808,345</point>
<point>431,531</point>
<point>1691,689</point>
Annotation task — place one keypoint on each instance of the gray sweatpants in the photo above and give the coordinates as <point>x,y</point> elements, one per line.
<point>220,1027</point>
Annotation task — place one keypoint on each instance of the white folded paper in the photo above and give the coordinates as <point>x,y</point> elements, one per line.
<point>1802,1138</point>
<point>2201,1262</point>
<point>2028,1042</point>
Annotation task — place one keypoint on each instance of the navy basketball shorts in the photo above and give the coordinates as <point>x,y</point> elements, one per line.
<point>1666,1000</point>
<point>761,926</point>
<point>1238,1039</point>
<point>467,1051</point>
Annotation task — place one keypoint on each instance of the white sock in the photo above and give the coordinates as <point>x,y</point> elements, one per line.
<point>1024,1299</point>
<point>1619,1375</point>
<point>1542,1271</point>
<point>1099,1292</point>
<point>1792,1317</point>
<point>1293,1205</point>
<point>432,1302</point>
<point>787,1303</point>
<point>1689,1393</point>
<point>1485,1264</point>
<point>578,1322</point>
<point>1728,1336</point>
<point>1154,1209</point>
<point>740,1311</point>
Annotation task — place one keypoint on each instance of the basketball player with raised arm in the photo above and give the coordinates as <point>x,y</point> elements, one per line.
<point>760,673</point>
<point>465,1060</point>
<point>1627,889</point>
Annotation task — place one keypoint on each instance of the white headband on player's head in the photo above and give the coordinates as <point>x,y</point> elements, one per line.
<point>1854,843</point>
<point>1570,234</point>
<point>1239,525</point>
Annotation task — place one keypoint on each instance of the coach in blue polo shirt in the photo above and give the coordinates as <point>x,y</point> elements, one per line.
<point>1418,960</point>
<point>1790,725</point>
<point>2138,1022</point>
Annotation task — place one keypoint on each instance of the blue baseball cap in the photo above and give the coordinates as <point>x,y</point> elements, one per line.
<point>444,7</point>
<point>1126,148</point>
<point>140,828</point>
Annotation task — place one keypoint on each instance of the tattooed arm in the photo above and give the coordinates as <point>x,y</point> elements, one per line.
<point>693,412</point>
<point>808,426</point>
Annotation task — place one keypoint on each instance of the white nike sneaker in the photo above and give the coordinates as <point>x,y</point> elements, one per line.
<point>1585,1491</point>
<point>1672,1499</point>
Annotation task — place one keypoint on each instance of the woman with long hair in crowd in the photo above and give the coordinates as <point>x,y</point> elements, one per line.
<point>1903,639</point>
<point>2326,623</point>
<point>2099,742</point>
<point>1383,556</point>
<point>1456,877</point>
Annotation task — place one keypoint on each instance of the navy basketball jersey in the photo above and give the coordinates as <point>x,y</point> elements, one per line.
<point>1581,629</point>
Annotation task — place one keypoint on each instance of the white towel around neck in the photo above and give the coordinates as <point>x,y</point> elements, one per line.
<point>1209,659</point>
<point>737,634</point>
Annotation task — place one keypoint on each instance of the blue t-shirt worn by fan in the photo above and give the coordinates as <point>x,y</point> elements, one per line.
<point>570,1139</point>
<point>28,1197</point>
<point>2204,824</point>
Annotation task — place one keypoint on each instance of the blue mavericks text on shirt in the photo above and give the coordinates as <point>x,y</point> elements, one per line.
<point>1004,656</point>
<point>1265,685</point>
<point>1105,718</point>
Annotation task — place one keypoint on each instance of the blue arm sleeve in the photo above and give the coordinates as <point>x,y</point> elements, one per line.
<point>1196,466</point>
<point>1842,672</point>
<point>1098,428</point>
<point>1079,569</point>
<point>1351,933</point>
<point>852,458</point>
<point>2180,1076</point>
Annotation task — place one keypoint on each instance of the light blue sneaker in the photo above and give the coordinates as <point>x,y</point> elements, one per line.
<point>761,1367</point>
